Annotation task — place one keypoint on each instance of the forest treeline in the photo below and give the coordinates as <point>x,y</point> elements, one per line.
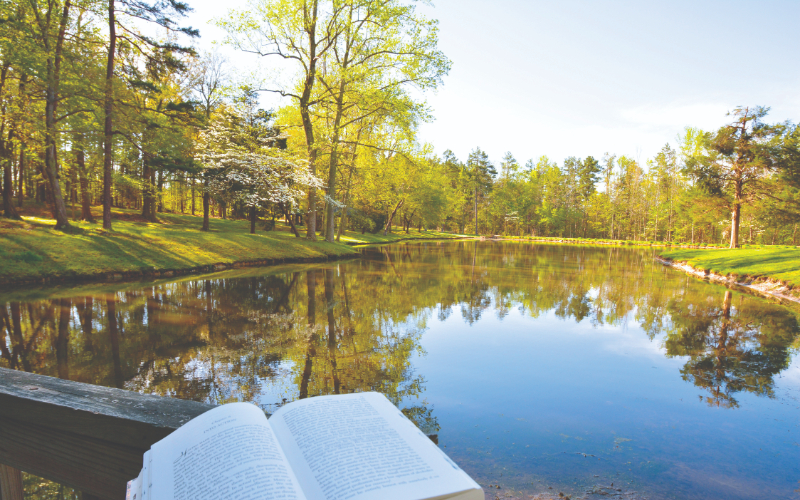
<point>107,103</point>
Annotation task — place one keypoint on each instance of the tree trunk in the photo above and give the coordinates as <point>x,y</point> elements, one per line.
<point>21,174</point>
<point>109,108</point>
<point>51,160</point>
<point>80,160</point>
<point>192,180</point>
<point>289,219</point>
<point>343,218</point>
<point>8,192</point>
<point>23,101</point>
<point>73,190</point>
<point>51,104</point>
<point>736,214</point>
<point>6,154</point>
<point>391,217</point>
<point>206,207</point>
<point>8,186</point>
<point>334,161</point>
<point>181,190</point>
<point>253,217</point>
<point>322,225</point>
<point>149,190</point>
<point>476,210</point>
<point>305,115</point>
<point>159,200</point>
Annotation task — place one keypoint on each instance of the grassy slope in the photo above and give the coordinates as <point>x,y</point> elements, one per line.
<point>354,238</point>
<point>778,262</point>
<point>32,249</point>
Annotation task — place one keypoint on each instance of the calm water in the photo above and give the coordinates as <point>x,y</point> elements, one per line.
<point>541,369</point>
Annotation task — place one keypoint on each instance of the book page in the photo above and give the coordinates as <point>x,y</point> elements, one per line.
<point>360,446</point>
<point>133,490</point>
<point>228,452</point>
<point>145,475</point>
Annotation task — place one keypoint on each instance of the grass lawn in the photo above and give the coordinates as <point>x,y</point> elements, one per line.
<point>355,238</point>
<point>778,262</point>
<point>32,249</point>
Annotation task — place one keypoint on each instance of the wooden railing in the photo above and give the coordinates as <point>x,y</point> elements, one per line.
<point>83,436</point>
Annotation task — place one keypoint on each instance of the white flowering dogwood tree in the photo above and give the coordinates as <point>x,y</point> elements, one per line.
<point>244,162</point>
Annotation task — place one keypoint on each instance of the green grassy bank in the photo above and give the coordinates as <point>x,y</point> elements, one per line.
<point>606,241</point>
<point>778,262</point>
<point>31,250</point>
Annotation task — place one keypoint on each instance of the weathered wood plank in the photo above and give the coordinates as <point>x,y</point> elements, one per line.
<point>90,465</point>
<point>87,437</point>
<point>11,483</point>
<point>113,415</point>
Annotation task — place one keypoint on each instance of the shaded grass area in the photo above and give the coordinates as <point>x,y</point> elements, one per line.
<point>68,289</point>
<point>778,262</point>
<point>32,249</point>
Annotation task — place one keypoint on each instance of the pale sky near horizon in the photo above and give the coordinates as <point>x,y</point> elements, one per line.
<point>578,78</point>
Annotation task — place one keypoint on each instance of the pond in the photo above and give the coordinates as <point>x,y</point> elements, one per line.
<point>592,372</point>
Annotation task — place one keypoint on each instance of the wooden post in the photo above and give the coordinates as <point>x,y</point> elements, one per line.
<point>10,483</point>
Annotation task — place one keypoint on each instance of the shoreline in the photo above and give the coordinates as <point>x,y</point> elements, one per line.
<point>763,286</point>
<point>589,241</point>
<point>34,254</point>
<point>120,276</point>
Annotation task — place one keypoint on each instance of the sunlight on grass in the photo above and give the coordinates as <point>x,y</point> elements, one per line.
<point>32,249</point>
<point>778,262</point>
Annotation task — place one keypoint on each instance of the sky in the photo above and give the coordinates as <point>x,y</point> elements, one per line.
<point>578,78</point>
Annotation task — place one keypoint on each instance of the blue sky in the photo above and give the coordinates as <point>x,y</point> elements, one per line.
<point>563,78</point>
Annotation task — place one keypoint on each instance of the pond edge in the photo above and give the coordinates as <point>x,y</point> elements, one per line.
<point>764,286</point>
<point>121,276</point>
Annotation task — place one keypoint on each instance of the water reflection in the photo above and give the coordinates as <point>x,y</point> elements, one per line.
<point>273,336</point>
<point>219,340</point>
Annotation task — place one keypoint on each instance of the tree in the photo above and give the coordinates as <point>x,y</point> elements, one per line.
<point>209,77</point>
<point>739,158</point>
<point>239,149</point>
<point>49,30</point>
<point>7,134</point>
<point>152,49</point>
<point>664,168</point>
<point>382,47</point>
<point>298,31</point>
<point>587,179</point>
<point>509,166</point>
<point>481,174</point>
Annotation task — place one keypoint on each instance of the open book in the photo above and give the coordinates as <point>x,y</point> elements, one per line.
<point>353,446</point>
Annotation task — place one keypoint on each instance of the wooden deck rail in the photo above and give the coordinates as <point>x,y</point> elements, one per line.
<point>84,436</point>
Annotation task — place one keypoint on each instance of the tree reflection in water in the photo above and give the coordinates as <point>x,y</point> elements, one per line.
<point>353,326</point>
